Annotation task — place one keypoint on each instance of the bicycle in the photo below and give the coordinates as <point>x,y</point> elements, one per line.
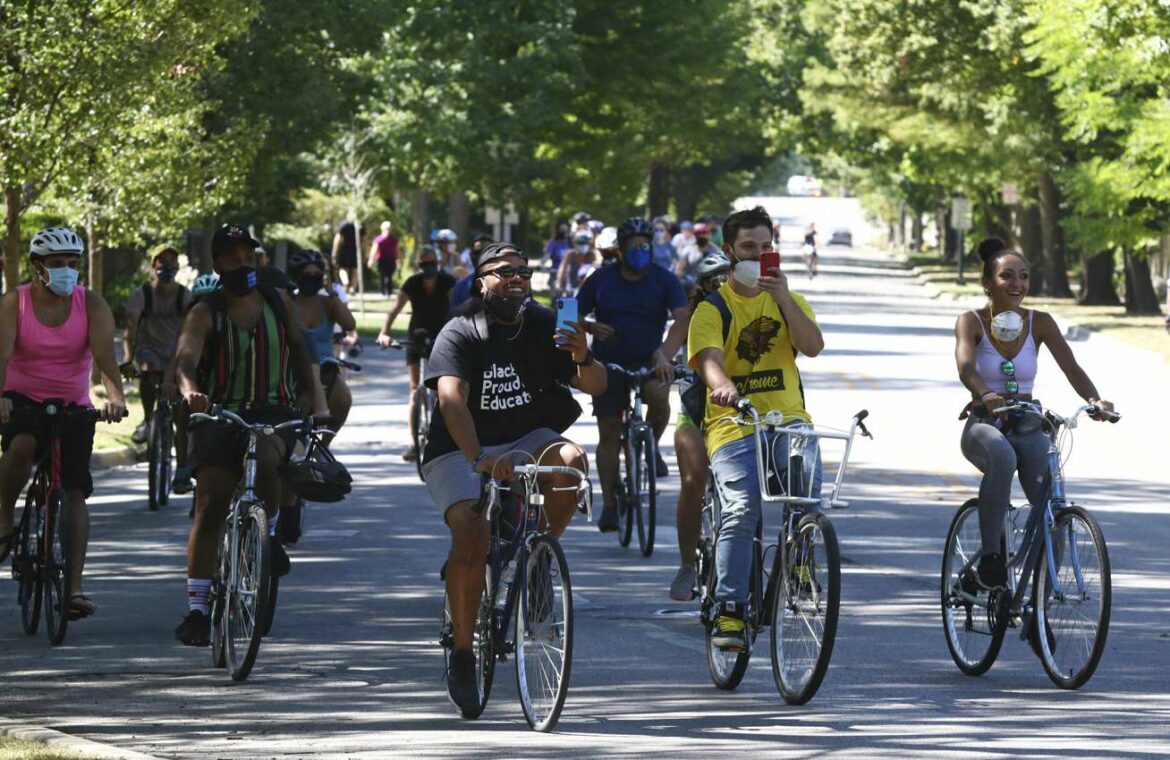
<point>422,408</point>
<point>1058,551</point>
<point>42,564</point>
<point>800,597</point>
<point>160,439</point>
<point>543,641</point>
<point>637,490</point>
<point>241,590</point>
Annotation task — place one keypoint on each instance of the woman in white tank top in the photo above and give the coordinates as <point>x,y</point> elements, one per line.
<point>995,370</point>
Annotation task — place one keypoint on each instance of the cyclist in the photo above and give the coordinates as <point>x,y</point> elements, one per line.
<point>996,349</point>
<point>319,310</point>
<point>754,357</point>
<point>181,482</point>
<point>154,315</point>
<point>51,333</point>
<point>631,302</point>
<point>556,248</point>
<point>810,249</point>
<point>451,259</point>
<point>239,348</point>
<point>607,247</point>
<point>663,251</point>
<point>690,256</point>
<point>497,375</point>
<point>429,294</point>
<point>580,256</point>
<point>713,271</point>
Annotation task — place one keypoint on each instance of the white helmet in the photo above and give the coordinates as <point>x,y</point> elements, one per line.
<point>54,240</point>
<point>205,283</point>
<point>446,236</point>
<point>607,238</point>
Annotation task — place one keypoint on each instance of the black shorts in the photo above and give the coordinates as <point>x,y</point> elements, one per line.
<point>76,440</point>
<point>414,355</point>
<point>218,444</point>
<point>617,393</point>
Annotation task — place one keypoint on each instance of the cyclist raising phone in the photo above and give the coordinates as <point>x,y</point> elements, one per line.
<point>51,333</point>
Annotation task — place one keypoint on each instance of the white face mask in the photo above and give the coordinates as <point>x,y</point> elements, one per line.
<point>746,273</point>
<point>1007,326</point>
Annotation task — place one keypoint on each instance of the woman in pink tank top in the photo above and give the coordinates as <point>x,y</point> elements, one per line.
<point>996,367</point>
<point>51,333</point>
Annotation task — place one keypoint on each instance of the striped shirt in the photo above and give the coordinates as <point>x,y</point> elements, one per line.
<point>252,367</point>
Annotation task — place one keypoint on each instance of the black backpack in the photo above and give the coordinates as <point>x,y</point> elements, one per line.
<point>693,393</point>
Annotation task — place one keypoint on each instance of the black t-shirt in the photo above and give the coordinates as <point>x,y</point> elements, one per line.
<point>428,310</point>
<point>499,373</point>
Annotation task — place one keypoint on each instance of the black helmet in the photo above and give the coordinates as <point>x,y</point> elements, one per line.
<point>635,225</point>
<point>301,259</point>
<point>319,477</point>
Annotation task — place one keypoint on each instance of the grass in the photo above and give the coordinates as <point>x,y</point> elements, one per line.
<point>116,436</point>
<point>1147,331</point>
<point>19,749</point>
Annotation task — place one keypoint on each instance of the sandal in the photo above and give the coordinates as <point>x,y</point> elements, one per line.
<point>80,607</point>
<point>6,545</point>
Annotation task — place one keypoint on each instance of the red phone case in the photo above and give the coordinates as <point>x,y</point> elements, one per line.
<point>769,263</point>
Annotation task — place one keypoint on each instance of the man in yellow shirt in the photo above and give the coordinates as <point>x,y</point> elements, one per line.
<point>748,349</point>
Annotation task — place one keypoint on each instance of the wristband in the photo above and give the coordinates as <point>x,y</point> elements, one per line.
<point>985,395</point>
<point>588,359</point>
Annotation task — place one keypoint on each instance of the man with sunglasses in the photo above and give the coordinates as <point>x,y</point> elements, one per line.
<point>499,375</point>
<point>631,303</point>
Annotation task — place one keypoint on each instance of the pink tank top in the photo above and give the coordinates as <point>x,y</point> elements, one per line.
<point>51,362</point>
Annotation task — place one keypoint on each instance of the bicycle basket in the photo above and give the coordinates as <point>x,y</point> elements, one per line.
<point>319,477</point>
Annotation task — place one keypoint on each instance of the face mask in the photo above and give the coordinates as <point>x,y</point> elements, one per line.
<point>702,241</point>
<point>1006,326</point>
<point>746,273</point>
<point>310,283</point>
<point>637,259</point>
<point>505,308</point>
<point>661,236</point>
<point>430,269</point>
<point>61,280</point>
<point>582,248</point>
<point>166,274</point>
<point>240,281</point>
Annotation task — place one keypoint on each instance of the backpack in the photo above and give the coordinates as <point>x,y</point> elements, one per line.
<point>694,393</point>
<point>148,301</point>
<point>220,324</point>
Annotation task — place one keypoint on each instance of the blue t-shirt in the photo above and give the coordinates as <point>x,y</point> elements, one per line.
<point>636,310</point>
<point>556,249</point>
<point>462,290</point>
<point>663,255</point>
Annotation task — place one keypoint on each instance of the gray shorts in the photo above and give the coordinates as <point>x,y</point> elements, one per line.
<point>451,480</point>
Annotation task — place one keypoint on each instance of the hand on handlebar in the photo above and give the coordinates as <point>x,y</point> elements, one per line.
<point>992,401</point>
<point>384,340</point>
<point>114,411</point>
<point>198,402</point>
<point>1103,411</point>
<point>663,368</point>
<point>725,395</point>
<point>497,468</point>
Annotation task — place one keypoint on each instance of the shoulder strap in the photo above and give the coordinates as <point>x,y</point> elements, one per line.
<point>179,300</point>
<point>716,300</point>
<point>147,300</point>
<point>272,296</point>
<point>481,325</point>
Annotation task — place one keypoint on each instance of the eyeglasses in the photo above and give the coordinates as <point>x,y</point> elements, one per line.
<point>507,273</point>
<point>637,247</point>
<point>1009,371</point>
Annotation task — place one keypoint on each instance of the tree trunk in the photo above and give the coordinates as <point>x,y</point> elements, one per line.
<point>1097,281</point>
<point>685,205</point>
<point>1140,297</point>
<point>12,237</point>
<point>459,214</point>
<point>942,222</point>
<point>916,230</point>
<point>1031,241</point>
<point>658,190</point>
<point>421,221</point>
<point>94,243</point>
<point>1056,281</point>
<point>900,230</point>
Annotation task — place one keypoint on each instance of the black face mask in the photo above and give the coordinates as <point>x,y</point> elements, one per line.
<point>502,307</point>
<point>166,274</point>
<point>310,283</point>
<point>430,269</point>
<point>240,281</point>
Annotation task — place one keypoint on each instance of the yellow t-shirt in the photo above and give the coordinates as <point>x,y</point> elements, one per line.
<point>758,357</point>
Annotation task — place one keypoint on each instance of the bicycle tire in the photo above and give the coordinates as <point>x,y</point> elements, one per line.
<point>727,668</point>
<point>58,569</point>
<point>624,493</point>
<point>647,453</point>
<point>157,482</point>
<point>1071,665</point>
<point>705,552</point>
<point>973,630</point>
<point>422,427</point>
<point>26,563</point>
<point>217,601</point>
<point>247,592</point>
<point>806,600</point>
<point>543,668</point>
<point>168,444</point>
<point>270,608</point>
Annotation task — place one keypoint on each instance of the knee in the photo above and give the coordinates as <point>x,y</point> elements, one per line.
<point>609,430</point>
<point>468,545</point>
<point>21,452</point>
<point>692,478</point>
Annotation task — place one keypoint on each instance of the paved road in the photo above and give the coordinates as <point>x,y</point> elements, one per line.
<point>352,668</point>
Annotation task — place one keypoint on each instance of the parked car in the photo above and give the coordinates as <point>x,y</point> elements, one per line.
<point>841,236</point>
<point>804,185</point>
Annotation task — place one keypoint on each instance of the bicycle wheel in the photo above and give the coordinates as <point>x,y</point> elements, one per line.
<point>805,604</point>
<point>645,462</point>
<point>26,563</point>
<point>1077,594</point>
<point>705,553</point>
<point>625,496</point>
<point>247,591</point>
<point>973,620</point>
<point>217,602</point>
<point>483,644</point>
<point>158,462</point>
<point>165,460</point>
<point>727,668</point>
<point>421,415</point>
<point>58,568</point>
<point>544,632</point>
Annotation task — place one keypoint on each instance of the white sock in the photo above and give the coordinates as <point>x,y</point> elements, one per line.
<point>198,593</point>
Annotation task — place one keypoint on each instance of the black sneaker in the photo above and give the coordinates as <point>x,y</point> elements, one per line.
<point>195,630</point>
<point>992,570</point>
<point>660,468</point>
<point>609,519</point>
<point>288,527</point>
<point>280,562</point>
<point>461,687</point>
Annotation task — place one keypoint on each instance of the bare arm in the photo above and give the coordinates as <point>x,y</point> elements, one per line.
<point>340,313</point>
<point>101,345</point>
<point>298,357</point>
<point>457,416</point>
<point>386,327</point>
<point>710,366</point>
<point>805,334</point>
<point>966,336</point>
<point>129,335</point>
<point>676,336</point>
<point>192,338</point>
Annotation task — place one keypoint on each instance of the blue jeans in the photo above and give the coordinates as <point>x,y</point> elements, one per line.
<point>738,488</point>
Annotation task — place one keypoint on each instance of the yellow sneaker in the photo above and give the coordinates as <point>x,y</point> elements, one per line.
<point>729,634</point>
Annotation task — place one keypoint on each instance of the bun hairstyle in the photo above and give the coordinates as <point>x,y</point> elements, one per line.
<point>990,251</point>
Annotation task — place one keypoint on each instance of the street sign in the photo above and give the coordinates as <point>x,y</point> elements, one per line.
<point>501,222</point>
<point>961,213</point>
<point>1011,193</point>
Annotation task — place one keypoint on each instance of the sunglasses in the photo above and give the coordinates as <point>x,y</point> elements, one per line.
<point>1009,371</point>
<point>507,273</point>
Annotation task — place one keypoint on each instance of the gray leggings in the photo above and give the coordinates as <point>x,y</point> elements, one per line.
<point>998,456</point>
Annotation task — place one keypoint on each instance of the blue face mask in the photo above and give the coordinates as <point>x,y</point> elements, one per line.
<point>61,280</point>
<point>637,258</point>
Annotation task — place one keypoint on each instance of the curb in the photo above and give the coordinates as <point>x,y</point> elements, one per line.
<point>66,742</point>
<point>118,457</point>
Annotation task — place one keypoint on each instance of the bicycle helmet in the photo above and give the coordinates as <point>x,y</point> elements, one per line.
<point>635,225</point>
<point>582,236</point>
<point>607,238</point>
<point>320,478</point>
<point>596,225</point>
<point>205,283</point>
<point>299,260</point>
<point>712,264</point>
<point>446,236</point>
<point>55,240</point>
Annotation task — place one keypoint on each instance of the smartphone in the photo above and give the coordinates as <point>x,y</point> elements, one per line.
<point>770,263</point>
<point>566,312</point>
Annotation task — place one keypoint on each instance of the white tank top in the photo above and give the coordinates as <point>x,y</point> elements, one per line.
<point>989,362</point>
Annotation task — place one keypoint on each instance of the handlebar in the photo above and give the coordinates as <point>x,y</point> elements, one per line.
<point>1034,408</point>
<point>640,376</point>
<point>227,417</point>
<point>336,362</point>
<point>490,500</point>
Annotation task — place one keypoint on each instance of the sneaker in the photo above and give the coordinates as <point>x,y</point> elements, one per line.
<point>195,630</point>
<point>181,483</point>
<point>992,570</point>
<point>609,519</point>
<point>281,566</point>
<point>410,455</point>
<point>660,468</point>
<point>288,527</point>
<point>140,433</point>
<point>682,588</point>
<point>729,634</point>
<point>461,686</point>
